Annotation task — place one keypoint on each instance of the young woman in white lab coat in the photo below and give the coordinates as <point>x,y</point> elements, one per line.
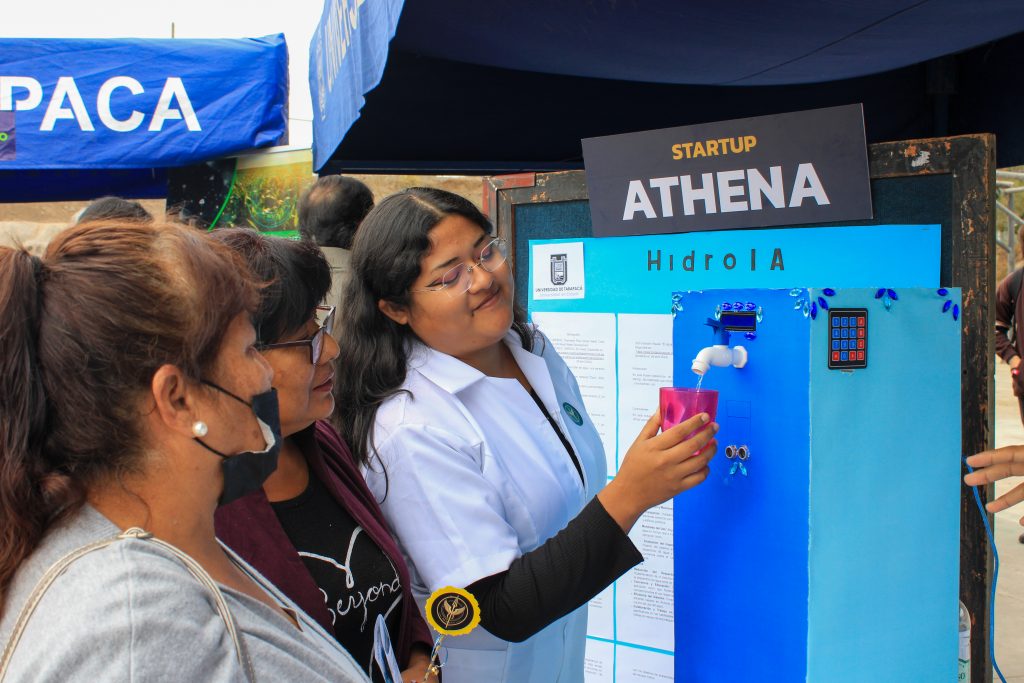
<point>477,443</point>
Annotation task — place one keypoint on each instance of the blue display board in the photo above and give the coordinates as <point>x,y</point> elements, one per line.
<point>831,551</point>
<point>638,274</point>
<point>824,607</point>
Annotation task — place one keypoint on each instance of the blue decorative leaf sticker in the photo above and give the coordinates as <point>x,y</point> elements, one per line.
<point>738,306</point>
<point>828,291</point>
<point>677,303</point>
<point>751,306</point>
<point>942,292</point>
<point>879,293</point>
<point>945,306</point>
<point>823,303</point>
<point>726,306</point>
<point>750,335</point>
<point>956,312</point>
<point>892,294</point>
<point>814,311</point>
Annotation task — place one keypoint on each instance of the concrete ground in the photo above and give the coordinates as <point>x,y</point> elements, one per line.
<point>1010,589</point>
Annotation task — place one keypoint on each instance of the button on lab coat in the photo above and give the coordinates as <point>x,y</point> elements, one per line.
<point>476,477</point>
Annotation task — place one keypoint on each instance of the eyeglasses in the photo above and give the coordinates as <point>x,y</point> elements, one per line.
<point>456,280</point>
<point>325,317</point>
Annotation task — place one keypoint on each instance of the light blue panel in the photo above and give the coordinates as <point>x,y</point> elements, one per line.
<point>885,495</point>
<point>637,274</point>
<point>741,541</point>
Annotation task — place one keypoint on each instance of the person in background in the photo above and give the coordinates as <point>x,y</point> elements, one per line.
<point>990,467</point>
<point>1010,328</point>
<point>114,209</point>
<point>133,403</point>
<point>314,529</point>
<point>330,212</point>
<point>1010,324</point>
<point>475,437</point>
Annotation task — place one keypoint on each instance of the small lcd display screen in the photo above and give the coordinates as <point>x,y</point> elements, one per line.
<point>736,321</point>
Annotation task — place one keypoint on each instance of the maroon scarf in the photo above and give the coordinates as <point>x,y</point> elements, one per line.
<point>250,528</point>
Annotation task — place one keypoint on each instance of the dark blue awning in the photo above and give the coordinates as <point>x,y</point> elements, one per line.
<point>511,85</point>
<point>738,43</point>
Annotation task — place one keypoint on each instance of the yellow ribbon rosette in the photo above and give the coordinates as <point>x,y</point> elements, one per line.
<point>451,612</point>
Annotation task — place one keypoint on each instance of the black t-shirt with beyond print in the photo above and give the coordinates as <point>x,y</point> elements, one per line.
<point>356,579</point>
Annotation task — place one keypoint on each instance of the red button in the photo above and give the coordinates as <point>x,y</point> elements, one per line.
<point>860,355</point>
<point>835,355</point>
<point>860,321</point>
<point>860,343</point>
<point>860,333</point>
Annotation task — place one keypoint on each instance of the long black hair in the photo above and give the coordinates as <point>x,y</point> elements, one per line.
<point>386,255</point>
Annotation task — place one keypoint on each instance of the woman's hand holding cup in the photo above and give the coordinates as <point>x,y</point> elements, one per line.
<point>658,467</point>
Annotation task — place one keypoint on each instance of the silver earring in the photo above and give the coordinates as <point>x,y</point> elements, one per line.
<point>199,428</point>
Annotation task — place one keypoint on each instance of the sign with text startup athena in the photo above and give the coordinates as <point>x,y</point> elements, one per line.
<point>788,169</point>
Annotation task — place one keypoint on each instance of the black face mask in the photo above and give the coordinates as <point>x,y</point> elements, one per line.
<point>245,472</point>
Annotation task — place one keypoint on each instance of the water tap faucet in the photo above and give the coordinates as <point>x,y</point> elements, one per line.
<point>719,354</point>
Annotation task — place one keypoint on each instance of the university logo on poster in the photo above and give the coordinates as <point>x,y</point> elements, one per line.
<point>558,271</point>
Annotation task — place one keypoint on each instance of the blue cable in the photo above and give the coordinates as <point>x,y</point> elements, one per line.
<point>995,579</point>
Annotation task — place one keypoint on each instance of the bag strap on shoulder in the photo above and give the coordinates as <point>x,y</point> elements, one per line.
<point>61,565</point>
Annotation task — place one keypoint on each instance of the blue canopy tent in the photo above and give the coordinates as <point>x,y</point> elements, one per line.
<point>509,85</point>
<point>81,118</point>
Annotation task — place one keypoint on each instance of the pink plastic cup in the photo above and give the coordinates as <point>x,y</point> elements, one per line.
<point>679,404</point>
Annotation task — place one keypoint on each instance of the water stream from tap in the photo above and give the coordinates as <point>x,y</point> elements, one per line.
<point>700,379</point>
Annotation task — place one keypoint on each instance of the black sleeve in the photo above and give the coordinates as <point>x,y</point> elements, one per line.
<point>564,573</point>
<point>1006,303</point>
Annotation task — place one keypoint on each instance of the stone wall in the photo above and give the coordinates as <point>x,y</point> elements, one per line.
<point>31,235</point>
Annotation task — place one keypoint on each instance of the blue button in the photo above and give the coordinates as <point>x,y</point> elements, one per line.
<point>835,345</point>
<point>845,345</point>
<point>835,321</point>
<point>844,333</point>
<point>846,321</point>
<point>844,355</point>
<point>835,334</point>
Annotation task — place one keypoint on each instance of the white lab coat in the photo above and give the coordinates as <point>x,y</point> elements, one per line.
<point>476,477</point>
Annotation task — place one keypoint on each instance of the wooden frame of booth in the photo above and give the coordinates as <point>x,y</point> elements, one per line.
<point>968,261</point>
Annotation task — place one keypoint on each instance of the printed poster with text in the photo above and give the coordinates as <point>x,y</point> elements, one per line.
<point>630,629</point>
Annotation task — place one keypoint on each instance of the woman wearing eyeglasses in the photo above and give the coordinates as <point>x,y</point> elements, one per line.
<point>314,529</point>
<point>477,442</point>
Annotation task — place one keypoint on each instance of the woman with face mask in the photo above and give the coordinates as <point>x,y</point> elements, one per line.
<point>313,528</point>
<point>133,402</point>
<point>477,441</point>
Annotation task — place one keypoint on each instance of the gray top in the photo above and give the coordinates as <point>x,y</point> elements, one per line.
<point>339,260</point>
<point>132,612</point>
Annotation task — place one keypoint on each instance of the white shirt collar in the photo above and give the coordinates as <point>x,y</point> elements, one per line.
<point>453,375</point>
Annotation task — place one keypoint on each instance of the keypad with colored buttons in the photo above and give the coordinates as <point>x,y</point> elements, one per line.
<point>848,338</point>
